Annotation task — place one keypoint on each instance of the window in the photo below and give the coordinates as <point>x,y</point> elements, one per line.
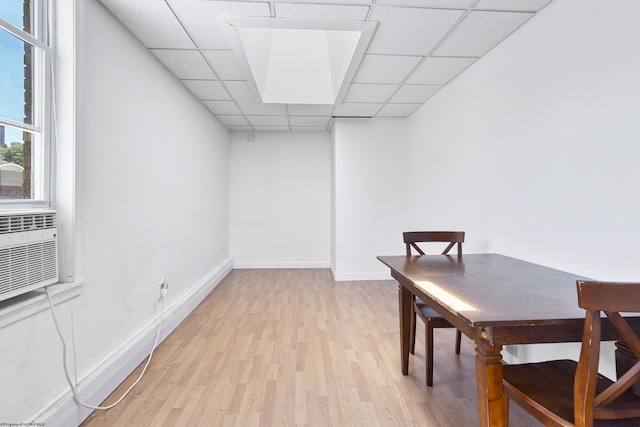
<point>25,104</point>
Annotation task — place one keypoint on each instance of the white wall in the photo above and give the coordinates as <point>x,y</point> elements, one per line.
<point>280,199</point>
<point>534,149</point>
<point>368,196</point>
<point>152,202</point>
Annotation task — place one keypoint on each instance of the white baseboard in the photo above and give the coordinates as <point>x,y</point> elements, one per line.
<point>274,265</point>
<point>510,355</point>
<point>64,411</point>
<point>346,277</point>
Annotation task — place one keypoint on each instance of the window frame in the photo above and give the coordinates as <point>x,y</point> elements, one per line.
<point>42,129</point>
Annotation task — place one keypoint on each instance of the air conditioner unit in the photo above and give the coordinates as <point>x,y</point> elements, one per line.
<point>28,252</point>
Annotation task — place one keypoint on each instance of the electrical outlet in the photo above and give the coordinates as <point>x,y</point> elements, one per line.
<point>164,286</point>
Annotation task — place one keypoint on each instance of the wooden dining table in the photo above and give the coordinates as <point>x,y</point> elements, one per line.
<point>495,300</point>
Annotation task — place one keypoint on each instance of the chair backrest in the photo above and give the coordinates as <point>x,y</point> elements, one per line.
<point>612,299</point>
<point>412,238</point>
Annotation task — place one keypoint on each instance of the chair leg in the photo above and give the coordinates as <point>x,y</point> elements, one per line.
<point>412,328</point>
<point>428,356</point>
<point>458,339</point>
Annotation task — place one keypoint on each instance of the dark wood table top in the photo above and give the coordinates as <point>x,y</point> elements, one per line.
<point>492,289</point>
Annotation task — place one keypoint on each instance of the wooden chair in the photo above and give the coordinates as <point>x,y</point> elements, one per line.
<point>429,316</point>
<point>568,393</point>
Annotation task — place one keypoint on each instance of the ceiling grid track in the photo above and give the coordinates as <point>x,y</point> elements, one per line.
<point>417,48</point>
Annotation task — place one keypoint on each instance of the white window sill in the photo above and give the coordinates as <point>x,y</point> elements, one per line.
<point>25,305</point>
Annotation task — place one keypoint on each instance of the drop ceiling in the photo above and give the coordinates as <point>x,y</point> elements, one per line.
<point>418,47</point>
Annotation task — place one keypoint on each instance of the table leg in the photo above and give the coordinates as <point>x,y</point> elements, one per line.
<point>493,404</point>
<point>404,299</point>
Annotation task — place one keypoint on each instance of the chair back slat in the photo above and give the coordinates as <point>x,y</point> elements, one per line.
<point>448,248</point>
<point>416,247</point>
<point>609,296</point>
<point>632,340</point>
<point>631,376</point>
<point>411,238</point>
<point>619,387</point>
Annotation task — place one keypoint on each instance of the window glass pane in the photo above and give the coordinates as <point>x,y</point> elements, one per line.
<point>19,13</point>
<point>16,159</point>
<point>16,79</point>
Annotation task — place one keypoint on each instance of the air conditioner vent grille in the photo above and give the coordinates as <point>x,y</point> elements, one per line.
<point>27,222</point>
<point>28,252</point>
<point>26,266</point>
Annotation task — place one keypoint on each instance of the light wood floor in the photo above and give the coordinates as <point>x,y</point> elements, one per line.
<point>293,347</point>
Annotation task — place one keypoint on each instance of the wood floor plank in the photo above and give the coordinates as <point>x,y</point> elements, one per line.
<point>293,347</point>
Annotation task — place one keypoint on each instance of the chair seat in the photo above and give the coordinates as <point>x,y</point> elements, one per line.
<point>427,313</point>
<point>550,386</point>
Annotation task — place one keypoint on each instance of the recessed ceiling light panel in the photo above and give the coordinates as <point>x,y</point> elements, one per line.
<point>299,61</point>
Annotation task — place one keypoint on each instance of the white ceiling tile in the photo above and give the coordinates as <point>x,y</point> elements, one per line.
<point>385,68</point>
<point>525,5</point>
<point>357,110</point>
<point>152,22</point>
<point>272,128</point>
<point>239,90</point>
<point>410,31</point>
<point>207,89</point>
<point>309,128</point>
<point>480,31</point>
<point>205,26</point>
<point>398,110</point>
<point>414,93</point>
<point>310,110</point>
<point>258,108</point>
<point>437,70</point>
<point>268,120</point>
<point>225,64</point>
<point>321,11</point>
<point>309,120</point>
<point>234,120</point>
<point>407,30</point>
<point>185,64</point>
<point>429,3</point>
<point>359,92</point>
<point>222,107</point>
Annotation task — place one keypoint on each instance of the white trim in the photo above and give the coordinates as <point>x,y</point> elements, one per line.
<point>351,277</point>
<point>66,16</point>
<point>276,265</point>
<point>30,303</point>
<point>42,107</point>
<point>99,383</point>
